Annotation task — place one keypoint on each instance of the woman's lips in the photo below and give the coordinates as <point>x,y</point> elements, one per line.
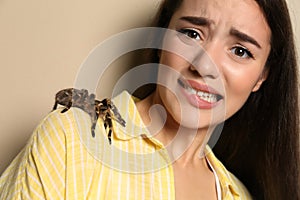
<point>199,95</point>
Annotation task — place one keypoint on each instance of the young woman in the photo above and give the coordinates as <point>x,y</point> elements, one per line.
<point>242,70</point>
<point>260,143</point>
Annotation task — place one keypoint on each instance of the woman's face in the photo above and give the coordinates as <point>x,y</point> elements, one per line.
<point>221,49</point>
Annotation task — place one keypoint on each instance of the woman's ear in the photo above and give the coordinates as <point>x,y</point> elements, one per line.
<point>262,78</point>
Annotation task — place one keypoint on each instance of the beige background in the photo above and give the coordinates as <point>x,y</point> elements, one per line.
<point>42,45</point>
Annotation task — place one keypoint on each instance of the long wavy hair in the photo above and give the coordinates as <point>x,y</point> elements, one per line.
<point>260,143</point>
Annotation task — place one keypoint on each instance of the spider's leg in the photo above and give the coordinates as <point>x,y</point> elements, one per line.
<point>117,115</point>
<point>68,106</point>
<point>109,123</point>
<point>94,122</point>
<point>64,110</point>
<point>108,126</point>
<point>93,131</point>
<point>109,136</point>
<point>105,125</point>
<point>55,105</point>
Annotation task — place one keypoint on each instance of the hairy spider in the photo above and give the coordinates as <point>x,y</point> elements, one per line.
<point>104,109</point>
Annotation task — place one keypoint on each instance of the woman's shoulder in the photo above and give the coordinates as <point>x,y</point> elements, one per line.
<point>56,130</point>
<point>62,123</point>
<point>43,161</point>
<point>52,136</point>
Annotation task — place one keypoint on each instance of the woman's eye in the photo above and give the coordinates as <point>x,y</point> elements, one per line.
<point>241,52</point>
<point>191,33</point>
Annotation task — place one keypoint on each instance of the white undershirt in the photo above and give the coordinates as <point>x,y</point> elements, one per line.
<point>218,186</point>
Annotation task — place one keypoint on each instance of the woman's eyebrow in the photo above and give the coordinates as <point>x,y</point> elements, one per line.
<point>199,21</point>
<point>202,21</point>
<point>244,37</point>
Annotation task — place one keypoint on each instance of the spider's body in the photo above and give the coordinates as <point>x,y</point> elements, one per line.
<point>104,109</point>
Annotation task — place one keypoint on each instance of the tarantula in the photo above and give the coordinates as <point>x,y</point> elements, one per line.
<point>81,99</point>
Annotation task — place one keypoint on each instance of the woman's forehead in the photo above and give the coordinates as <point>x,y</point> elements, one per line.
<point>206,6</point>
<point>245,15</point>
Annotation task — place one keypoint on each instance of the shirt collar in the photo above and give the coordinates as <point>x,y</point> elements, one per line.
<point>134,124</point>
<point>227,180</point>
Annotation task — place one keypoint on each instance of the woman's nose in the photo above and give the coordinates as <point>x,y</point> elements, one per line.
<point>204,62</point>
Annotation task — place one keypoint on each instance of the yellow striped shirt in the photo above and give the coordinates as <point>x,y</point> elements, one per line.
<point>63,161</point>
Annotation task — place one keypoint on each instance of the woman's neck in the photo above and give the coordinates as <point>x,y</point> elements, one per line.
<point>184,145</point>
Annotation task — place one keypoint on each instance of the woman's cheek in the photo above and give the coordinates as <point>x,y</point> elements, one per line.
<point>239,84</point>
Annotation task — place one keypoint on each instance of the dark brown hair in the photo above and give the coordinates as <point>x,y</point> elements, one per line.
<point>260,143</point>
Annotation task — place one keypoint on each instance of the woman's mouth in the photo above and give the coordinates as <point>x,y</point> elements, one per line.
<point>200,95</point>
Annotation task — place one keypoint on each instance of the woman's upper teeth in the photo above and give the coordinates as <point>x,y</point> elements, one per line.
<point>209,97</point>
<point>204,95</point>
